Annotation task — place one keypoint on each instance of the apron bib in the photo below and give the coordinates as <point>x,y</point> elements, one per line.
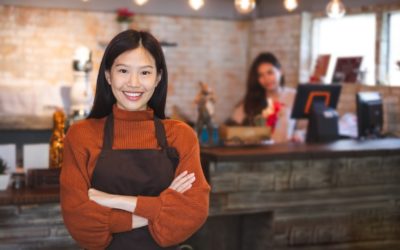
<point>134,172</point>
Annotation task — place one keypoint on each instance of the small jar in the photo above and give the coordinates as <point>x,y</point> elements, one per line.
<point>18,181</point>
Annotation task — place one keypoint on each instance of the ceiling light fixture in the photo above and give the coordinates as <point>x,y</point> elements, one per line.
<point>245,6</point>
<point>335,9</point>
<point>290,5</point>
<point>196,4</point>
<point>140,2</point>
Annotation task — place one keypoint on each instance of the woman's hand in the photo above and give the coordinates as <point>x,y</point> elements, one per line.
<point>127,203</point>
<point>138,221</point>
<point>183,182</point>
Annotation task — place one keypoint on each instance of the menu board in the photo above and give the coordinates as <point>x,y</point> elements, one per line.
<point>346,69</point>
<point>321,68</point>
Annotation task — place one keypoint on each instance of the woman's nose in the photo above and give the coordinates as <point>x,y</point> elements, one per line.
<point>134,80</point>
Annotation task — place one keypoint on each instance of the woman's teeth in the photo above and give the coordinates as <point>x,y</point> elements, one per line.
<point>133,96</point>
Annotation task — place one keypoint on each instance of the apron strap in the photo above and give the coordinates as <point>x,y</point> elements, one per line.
<point>160,133</point>
<point>172,153</point>
<point>108,132</point>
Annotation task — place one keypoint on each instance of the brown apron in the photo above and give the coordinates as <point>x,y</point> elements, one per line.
<point>134,172</point>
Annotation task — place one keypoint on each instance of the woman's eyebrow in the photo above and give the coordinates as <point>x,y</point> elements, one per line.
<point>126,65</point>
<point>146,66</point>
<point>121,64</point>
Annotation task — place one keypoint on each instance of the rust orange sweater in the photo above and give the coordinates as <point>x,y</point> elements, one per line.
<point>173,217</point>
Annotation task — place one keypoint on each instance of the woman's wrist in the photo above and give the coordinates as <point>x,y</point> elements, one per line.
<point>127,203</point>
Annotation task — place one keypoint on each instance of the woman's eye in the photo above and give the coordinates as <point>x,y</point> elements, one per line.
<point>146,73</point>
<point>123,71</point>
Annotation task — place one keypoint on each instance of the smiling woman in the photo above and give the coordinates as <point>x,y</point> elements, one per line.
<point>132,179</point>
<point>133,78</point>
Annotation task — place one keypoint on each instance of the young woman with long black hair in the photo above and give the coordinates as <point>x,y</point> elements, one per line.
<point>132,179</point>
<point>265,86</point>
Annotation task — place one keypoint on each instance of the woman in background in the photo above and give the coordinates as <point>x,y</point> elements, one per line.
<point>132,179</point>
<point>265,87</point>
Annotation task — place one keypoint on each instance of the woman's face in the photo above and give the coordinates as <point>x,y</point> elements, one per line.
<point>269,76</point>
<point>133,78</point>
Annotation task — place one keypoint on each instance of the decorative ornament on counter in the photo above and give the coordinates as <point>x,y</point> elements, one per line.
<point>124,18</point>
<point>205,101</point>
<point>81,91</point>
<point>57,139</point>
<point>270,115</point>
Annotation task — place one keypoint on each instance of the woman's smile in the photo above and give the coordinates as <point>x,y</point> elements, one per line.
<point>132,96</point>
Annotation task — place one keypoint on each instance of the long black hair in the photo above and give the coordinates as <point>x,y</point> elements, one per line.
<point>254,100</point>
<point>128,40</point>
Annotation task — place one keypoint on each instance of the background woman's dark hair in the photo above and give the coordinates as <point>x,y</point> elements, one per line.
<point>254,101</point>
<point>124,41</point>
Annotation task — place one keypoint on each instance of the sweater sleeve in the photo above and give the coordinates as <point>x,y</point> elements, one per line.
<point>174,217</point>
<point>90,224</point>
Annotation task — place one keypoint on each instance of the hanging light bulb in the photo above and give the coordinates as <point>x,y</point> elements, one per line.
<point>335,9</point>
<point>290,5</point>
<point>196,4</point>
<point>140,2</point>
<point>245,6</point>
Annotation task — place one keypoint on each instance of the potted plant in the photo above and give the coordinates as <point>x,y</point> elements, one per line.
<point>4,177</point>
<point>124,18</point>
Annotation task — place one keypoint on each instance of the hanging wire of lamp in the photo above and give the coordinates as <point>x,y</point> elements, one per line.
<point>335,9</point>
<point>245,6</point>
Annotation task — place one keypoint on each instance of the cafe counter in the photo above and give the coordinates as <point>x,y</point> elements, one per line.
<point>341,195</point>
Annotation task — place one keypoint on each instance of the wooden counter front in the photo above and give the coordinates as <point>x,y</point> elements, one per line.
<point>26,196</point>
<point>341,195</point>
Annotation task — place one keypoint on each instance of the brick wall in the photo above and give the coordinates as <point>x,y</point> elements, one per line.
<point>212,51</point>
<point>37,46</point>
<point>281,36</point>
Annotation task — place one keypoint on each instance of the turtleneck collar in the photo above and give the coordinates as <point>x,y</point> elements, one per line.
<point>141,115</point>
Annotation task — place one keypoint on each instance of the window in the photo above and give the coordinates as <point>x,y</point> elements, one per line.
<point>394,49</point>
<point>346,37</point>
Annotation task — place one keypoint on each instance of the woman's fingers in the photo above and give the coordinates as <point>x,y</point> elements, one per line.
<point>179,177</point>
<point>183,182</point>
<point>189,178</point>
<point>185,188</point>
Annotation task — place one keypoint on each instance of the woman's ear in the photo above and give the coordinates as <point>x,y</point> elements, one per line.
<point>108,76</point>
<point>159,76</point>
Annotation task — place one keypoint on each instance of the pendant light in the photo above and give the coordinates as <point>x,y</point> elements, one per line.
<point>196,4</point>
<point>245,6</point>
<point>290,5</point>
<point>335,9</point>
<point>140,2</point>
